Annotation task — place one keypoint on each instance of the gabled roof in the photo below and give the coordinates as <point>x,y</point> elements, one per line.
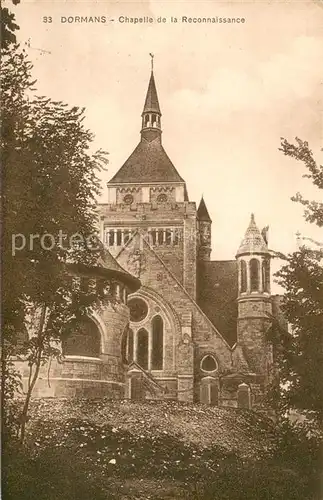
<point>217,291</point>
<point>148,163</point>
<point>202,212</point>
<point>151,102</point>
<point>253,241</point>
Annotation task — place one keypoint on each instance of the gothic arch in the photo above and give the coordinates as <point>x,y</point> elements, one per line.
<point>171,330</point>
<point>158,335</point>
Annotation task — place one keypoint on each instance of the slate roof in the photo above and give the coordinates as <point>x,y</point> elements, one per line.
<point>217,292</point>
<point>202,212</point>
<point>253,241</point>
<point>151,102</point>
<point>148,163</point>
<point>109,263</point>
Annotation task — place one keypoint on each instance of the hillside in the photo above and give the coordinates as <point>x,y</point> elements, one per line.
<point>243,432</point>
<point>144,450</point>
<point>79,449</point>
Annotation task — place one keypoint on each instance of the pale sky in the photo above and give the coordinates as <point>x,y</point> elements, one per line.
<point>227,94</point>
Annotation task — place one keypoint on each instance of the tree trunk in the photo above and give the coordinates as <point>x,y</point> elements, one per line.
<point>32,377</point>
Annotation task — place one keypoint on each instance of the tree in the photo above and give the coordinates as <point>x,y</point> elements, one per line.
<point>8,26</point>
<point>300,350</point>
<point>50,186</point>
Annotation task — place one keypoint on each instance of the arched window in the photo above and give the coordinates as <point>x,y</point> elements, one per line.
<point>142,348</point>
<point>157,343</point>
<point>243,276</point>
<point>266,275</point>
<point>82,339</point>
<point>153,120</point>
<point>254,275</point>
<point>146,120</point>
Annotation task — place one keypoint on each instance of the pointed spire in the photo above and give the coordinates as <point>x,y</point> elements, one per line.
<point>253,241</point>
<point>202,212</point>
<point>152,61</point>
<point>151,102</point>
<point>151,123</point>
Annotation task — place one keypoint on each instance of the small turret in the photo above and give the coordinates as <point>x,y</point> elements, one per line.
<point>254,261</point>
<point>205,223</point>
<point>254,301</point>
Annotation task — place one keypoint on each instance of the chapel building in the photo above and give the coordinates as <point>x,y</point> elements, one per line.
<point>198,328</point>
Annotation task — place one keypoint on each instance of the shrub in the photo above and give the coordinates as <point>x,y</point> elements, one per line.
<point>53,474</point>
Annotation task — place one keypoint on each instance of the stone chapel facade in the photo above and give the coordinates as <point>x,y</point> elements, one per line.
<point>183,327</point>
<point>197,328</point>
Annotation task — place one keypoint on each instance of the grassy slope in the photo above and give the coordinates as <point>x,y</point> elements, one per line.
<point>148,449</point>
<point>244,432</point>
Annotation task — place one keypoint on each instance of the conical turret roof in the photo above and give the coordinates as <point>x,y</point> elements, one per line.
<point>253,241</point>
<point>202,212</point>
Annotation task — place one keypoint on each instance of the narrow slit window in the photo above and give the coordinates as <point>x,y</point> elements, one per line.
<point>266,275</point>
<point>254,275</point>
<point>157,343</point>
<point>168,236</point>
<point>160,236</point>
<point>142,348</point>
<point>243,276</point>
<point>153,236</point>
<point>111,238</point>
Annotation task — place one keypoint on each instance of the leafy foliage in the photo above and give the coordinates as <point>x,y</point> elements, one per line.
<point>301,152</point>
<point>8,26</point>
<point>300,350</point>
<point>50,185</point>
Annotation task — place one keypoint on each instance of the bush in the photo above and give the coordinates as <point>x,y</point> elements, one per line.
<point>53,474</point>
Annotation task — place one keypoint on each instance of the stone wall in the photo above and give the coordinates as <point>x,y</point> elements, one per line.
<point>81,376</point>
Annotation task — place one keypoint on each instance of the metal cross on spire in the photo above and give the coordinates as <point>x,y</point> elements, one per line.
<point>152,61</point>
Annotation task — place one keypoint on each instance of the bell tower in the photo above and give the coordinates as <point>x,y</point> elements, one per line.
<point>148,196</point>
<point>254,299</point>
<point>151,115</point>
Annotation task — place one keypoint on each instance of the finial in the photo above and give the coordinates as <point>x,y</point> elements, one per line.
<point>252,218</point>
<point>152,61</point>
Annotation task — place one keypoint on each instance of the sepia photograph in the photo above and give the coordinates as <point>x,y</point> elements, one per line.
<point>162,250</point>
